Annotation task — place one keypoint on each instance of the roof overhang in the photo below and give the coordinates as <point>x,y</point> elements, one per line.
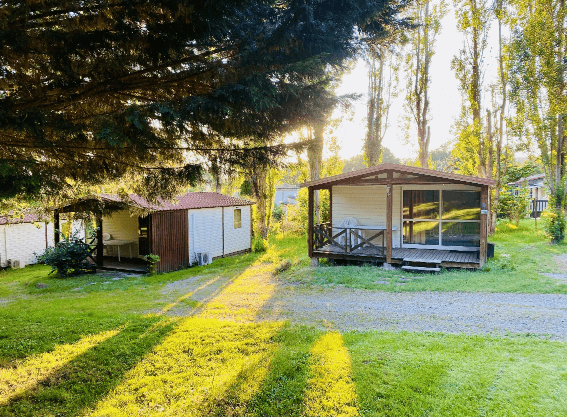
<point>386,174</point>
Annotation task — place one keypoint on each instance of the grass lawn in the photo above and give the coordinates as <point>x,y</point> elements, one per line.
<point>94,346</point>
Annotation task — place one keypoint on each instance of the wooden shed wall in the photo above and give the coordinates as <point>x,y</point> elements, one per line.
<point>170,240</point>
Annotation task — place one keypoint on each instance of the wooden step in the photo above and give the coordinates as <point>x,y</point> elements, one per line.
<point>423,261</point>
<point>420,269</point>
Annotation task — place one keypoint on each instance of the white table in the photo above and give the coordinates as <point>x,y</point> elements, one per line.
<point>118,243</point>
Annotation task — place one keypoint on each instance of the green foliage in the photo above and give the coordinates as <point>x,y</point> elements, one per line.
<point>278,213</point>
<point>246,189</point>
<point>555,224</point>
<point>259,244</point>
<point>68,257</point>
<point>152,261</point>
<point>512,206</point>
<point>196,74</point>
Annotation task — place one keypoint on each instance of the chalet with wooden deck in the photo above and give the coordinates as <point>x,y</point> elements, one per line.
<point>402,215</point>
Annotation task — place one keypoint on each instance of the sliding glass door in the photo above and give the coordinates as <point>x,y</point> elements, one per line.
<point>441,218</point>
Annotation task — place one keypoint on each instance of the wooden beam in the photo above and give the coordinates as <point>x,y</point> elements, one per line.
<point>310,222</point>
<point>483,224</point>
<point>56,227</point>
<point>389,209</point>
<point>99,245</point>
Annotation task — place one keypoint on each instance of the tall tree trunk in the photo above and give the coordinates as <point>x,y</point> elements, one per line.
<point>259,188</point>
<point>503,86</point>
<point>375,122</point>
<point>421,90</point>
<point>315,158</point>
<point>475,93</point>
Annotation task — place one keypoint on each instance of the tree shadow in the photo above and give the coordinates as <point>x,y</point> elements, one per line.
<point>83,381</point>
<point>282,393</point>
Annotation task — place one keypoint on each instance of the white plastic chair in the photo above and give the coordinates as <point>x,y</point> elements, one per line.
<point>348,222</point>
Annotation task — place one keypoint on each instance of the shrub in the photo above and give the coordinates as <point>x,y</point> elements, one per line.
<point>554,222</point>
<point>69,257</point>
<point>514,207</point>
<point>152,261</point>
<point>259,244</point>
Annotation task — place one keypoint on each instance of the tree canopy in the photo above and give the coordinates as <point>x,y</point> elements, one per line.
<point>102,89</point>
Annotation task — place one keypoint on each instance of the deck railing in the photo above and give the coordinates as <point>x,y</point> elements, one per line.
<point>345,239</point>
<point>536,207</point>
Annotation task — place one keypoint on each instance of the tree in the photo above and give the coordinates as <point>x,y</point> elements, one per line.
<point>473,20</point>
<point>539,89</point>
<point>97,90</point>
<point>382,83</point>
<point>417,64</point>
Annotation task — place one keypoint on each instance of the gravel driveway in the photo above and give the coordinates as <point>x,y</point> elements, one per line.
<point>347,309</point>
<point>451,312</point>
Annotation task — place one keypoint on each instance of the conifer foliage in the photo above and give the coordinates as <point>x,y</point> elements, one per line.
<point>99,89</point>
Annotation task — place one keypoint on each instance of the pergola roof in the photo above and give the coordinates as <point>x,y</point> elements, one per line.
<point>401,174</point>
<point>112,202</point>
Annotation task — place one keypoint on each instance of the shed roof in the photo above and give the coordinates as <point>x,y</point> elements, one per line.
<point>188,201</point>
<point>405,175</point>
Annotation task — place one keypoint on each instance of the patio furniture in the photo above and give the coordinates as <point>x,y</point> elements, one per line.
<point>118,243</point>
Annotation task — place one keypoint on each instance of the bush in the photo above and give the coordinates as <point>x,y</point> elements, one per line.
<point>69,257</point>
<point>152,261</point>
<point>259,244</point>
<point>514,207</point>
<point>554,222</point>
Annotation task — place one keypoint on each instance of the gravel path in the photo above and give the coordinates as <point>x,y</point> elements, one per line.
<point>471,313</point>
<point>347,309</point>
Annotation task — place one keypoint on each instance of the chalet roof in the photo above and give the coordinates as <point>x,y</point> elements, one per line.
<point>402,174</point>
<point>188,201</point>
<point>535,179</point>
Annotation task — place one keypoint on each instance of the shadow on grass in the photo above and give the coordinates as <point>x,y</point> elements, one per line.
<point>283,391</point>
<point>83,381</point>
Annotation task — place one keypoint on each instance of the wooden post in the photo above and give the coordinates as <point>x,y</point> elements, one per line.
<point>310,222</point>
<point>389,207</point>
<point>331,210</point>
<point>99,241</point>
<point>56,227</point>
<point>483,224</point>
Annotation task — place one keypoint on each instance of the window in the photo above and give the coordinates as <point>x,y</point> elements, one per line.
<point>441,218</point>
<point>237,218</point>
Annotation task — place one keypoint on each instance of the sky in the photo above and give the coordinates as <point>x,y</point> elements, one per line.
<point>445,100</point>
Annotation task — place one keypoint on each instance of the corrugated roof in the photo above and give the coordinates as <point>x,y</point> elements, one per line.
<point>402,169</point>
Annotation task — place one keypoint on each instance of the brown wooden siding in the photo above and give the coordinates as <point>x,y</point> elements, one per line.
<point>170,240</point>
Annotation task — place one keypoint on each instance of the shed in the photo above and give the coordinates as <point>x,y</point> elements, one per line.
<point>198,222</point>
<point>398,214</point>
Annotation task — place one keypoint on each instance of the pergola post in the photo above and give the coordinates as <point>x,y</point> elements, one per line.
<point>310,222</point>
<point>99,241</point>
<point>483,224</point>
<point>389,209</point>
<point>56,227</point>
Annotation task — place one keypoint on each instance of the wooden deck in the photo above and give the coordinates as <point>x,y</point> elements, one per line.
<point>447,258</point>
